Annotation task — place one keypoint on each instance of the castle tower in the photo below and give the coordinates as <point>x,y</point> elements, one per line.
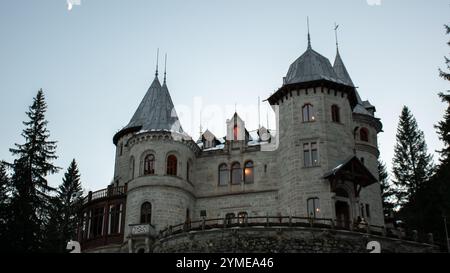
<point>155,157</point>
<point>317,146</point>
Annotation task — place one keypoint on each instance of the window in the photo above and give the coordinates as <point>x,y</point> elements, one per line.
<point>242,217</point>
<point>203,213</point>
<point>172,165</point>
<point>362,160</point>
<point>308,113</point>
<point>132,168</point>
<point>115,218</point>
<point>229,218</point>
<point>367,211</point>
<point>149,164</point>
<point>223,175</point>
<point>97,222</point>
<point>313,207</point>
<point>248,172</point>
<point>364,134</point>
<point>146,213</point>
<point>362,210</point>
<point>121,148</point>
<point>187,171</point>
<point>235,132</point>
<point>236,173</point>
<point>310,154</point>
<point>335,115</point>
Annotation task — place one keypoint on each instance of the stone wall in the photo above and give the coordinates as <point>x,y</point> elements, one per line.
<point>283,240</point>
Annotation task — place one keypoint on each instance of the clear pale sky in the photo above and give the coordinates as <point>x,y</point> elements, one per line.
<point>96,62</point>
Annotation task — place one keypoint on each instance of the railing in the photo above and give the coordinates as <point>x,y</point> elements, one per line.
<point>288,221</point>
<point>110,191</point>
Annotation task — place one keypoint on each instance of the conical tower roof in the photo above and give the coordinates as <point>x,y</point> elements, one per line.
<point>156,110</point>
<point>341,71</point>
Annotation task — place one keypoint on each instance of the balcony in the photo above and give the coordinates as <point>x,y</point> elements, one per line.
<point>110,191</point>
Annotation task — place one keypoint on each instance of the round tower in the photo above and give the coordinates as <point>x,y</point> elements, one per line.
<point>155,157</point>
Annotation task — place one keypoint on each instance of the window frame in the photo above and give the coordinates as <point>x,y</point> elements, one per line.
<point>239,174</point>
<point>172,165</point>
<point>309,109</point>
<point>311,152</point>
<point>315,206</point>
<point>364,134</point>
<point>223,171</point>
<point>146,213</point>
<point>335,113</point>
<point>149,164</point>
<point>251,169</point>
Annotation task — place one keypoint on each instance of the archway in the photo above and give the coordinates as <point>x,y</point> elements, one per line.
<point>342,214</point>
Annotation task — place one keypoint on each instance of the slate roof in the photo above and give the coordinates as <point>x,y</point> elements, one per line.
<point>156,110</point>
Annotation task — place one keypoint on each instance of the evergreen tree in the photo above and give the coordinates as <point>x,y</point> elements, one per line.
<point>69,196</point>
<point>387,193</point>
<point>4,209</point>
<point>31,193</point>
<point>412,165</point>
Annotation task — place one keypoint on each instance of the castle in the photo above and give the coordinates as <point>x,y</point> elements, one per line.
<point>319,167</point>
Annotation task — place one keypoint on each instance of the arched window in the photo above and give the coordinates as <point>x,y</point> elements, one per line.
<point>248,172</point>
<point>223,175</point>
<point>149,164</point>
<point>188,170</point>
<point>172,165</point>
<point>235,132</point>
<point>308,113</point>
<point>364,134</point>
<point>335,115</point>
<point>313,207</point>
<point>242,217</point>
<point>229,218</point>
<point>146,213</point>
<point>236,173</point>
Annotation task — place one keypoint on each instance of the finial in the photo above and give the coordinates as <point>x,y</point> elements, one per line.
<point>157,60</point>
<point>336,36</point>
<point>309,36</point>
<point>165,67</point>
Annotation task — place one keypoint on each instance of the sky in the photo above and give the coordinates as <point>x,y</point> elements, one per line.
<point>96,61</point>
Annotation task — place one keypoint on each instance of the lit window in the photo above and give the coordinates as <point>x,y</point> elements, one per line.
<point>335,115</point>
<point>248,172</point>
<point>242,217</point>
<point>313,207</point>
<point>236,173</point>
<point>235,132</point>
<point>308,113</point>
<point>149,164</point>
<point>172,165</point>
<point>223,175</point>
<point>310,154</point>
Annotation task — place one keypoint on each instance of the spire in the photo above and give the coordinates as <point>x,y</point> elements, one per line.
<point>309,36</point>
<point>335,34</point>
<point>165,68</point>
<point>157,59</point>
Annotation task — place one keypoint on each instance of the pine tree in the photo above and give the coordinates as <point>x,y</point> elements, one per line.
<point>386,189</point>
<point>4,208</point>
<point>31,192</point>
<point>69,196</point>
<point>412,165</point>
